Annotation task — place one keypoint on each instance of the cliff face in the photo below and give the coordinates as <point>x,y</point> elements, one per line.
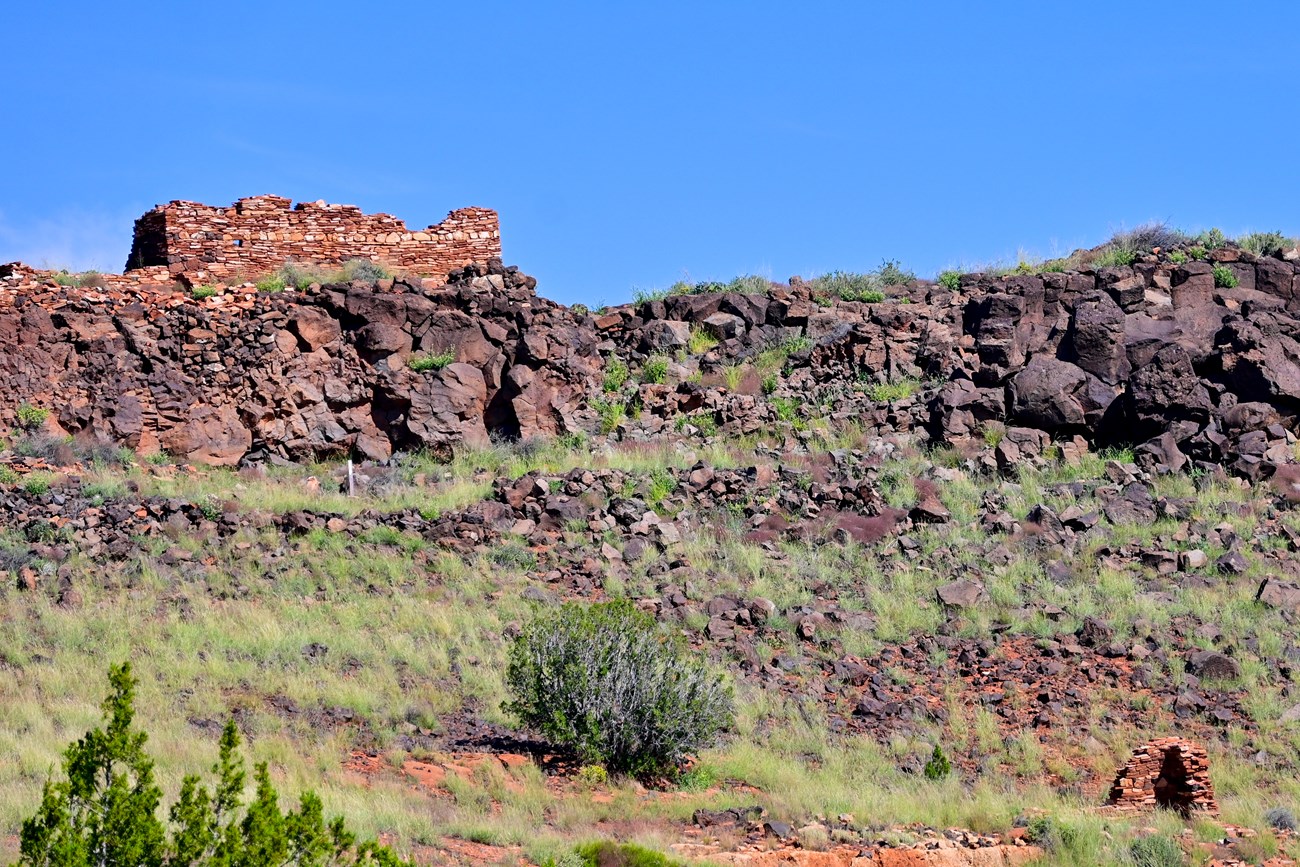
<point>1153,355</point>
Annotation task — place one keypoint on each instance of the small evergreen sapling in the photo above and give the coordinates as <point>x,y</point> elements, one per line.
<point>106,811</point>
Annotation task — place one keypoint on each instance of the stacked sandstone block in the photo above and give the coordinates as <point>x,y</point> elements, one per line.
<point>1134,788</point>
<point>257,235</point>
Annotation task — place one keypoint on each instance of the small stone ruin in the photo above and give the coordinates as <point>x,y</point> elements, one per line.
<point>1172,773</point>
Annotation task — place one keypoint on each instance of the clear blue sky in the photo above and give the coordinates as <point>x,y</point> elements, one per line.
<point>630,145</point>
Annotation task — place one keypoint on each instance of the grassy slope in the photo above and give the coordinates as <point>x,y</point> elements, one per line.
<point>415,635</point>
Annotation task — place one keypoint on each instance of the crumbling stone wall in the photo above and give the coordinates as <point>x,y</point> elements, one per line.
<point>1167,772</point>
<point>258,234</point>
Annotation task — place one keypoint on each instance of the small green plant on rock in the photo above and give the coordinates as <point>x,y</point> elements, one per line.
<point>603,681</point>
<point>1224,278</point>
<point>31,417</point>
<point>950,280</point>
<point>656,369</point>
<point>424,361</point>
<point>207,290</point>
<point>616,375</point>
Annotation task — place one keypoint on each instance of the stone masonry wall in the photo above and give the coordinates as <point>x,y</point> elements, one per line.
<point>1135,785</point>
<point>256,235</point>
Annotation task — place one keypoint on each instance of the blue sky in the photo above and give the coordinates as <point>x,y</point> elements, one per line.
<point>631,145</point>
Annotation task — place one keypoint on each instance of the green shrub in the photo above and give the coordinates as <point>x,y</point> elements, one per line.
<point>770,383</point>
<point>572,441</point>
<point>1211,240</point>
<point>604,682</point>
<point>616,375</point>
<point>938,766</point>
<point>1156,850</point>
<point>7,475</point>
<point>423,361</point>
<point>37,484</point>
<point>892,274</point>
<point>362,270</point>
<point>1197,252</point>
<point>1264,243</point>
<point>950,280</point>
<point>1178,257</point>
<point>207,290</point>
<point>1281,819</point>
<point>272,284</point>
<point>848,286</point>
<point>299,276</point>
<point>31,417</point>
<point>606,853</point>
<point>656,370</point>
<point>1224,278</point>
<point>1147,237</point>
<point>106,810</point>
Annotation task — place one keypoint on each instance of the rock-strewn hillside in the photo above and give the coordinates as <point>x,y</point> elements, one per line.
<point>1154,354</point>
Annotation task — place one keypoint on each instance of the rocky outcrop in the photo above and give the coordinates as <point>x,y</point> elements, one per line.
<point>297,376</point>
<point>1152,356</point>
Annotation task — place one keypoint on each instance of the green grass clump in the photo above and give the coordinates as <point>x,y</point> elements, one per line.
<point>425,361</point>
<point>645,296</point>
<point>950,280</point>
<point>37,484</point>
<point>207,290</point>
<point>1224,278</point>
<point>888,392</point>
<point>656,370</point>
<point>701,341</point>
<point>272,284</point>
<point>617,374</point>
<point>1157,850</point>
<point>611,413</point>
<point>1115,258</point>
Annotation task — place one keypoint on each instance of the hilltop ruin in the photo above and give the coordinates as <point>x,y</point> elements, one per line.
<point>201,243</point>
